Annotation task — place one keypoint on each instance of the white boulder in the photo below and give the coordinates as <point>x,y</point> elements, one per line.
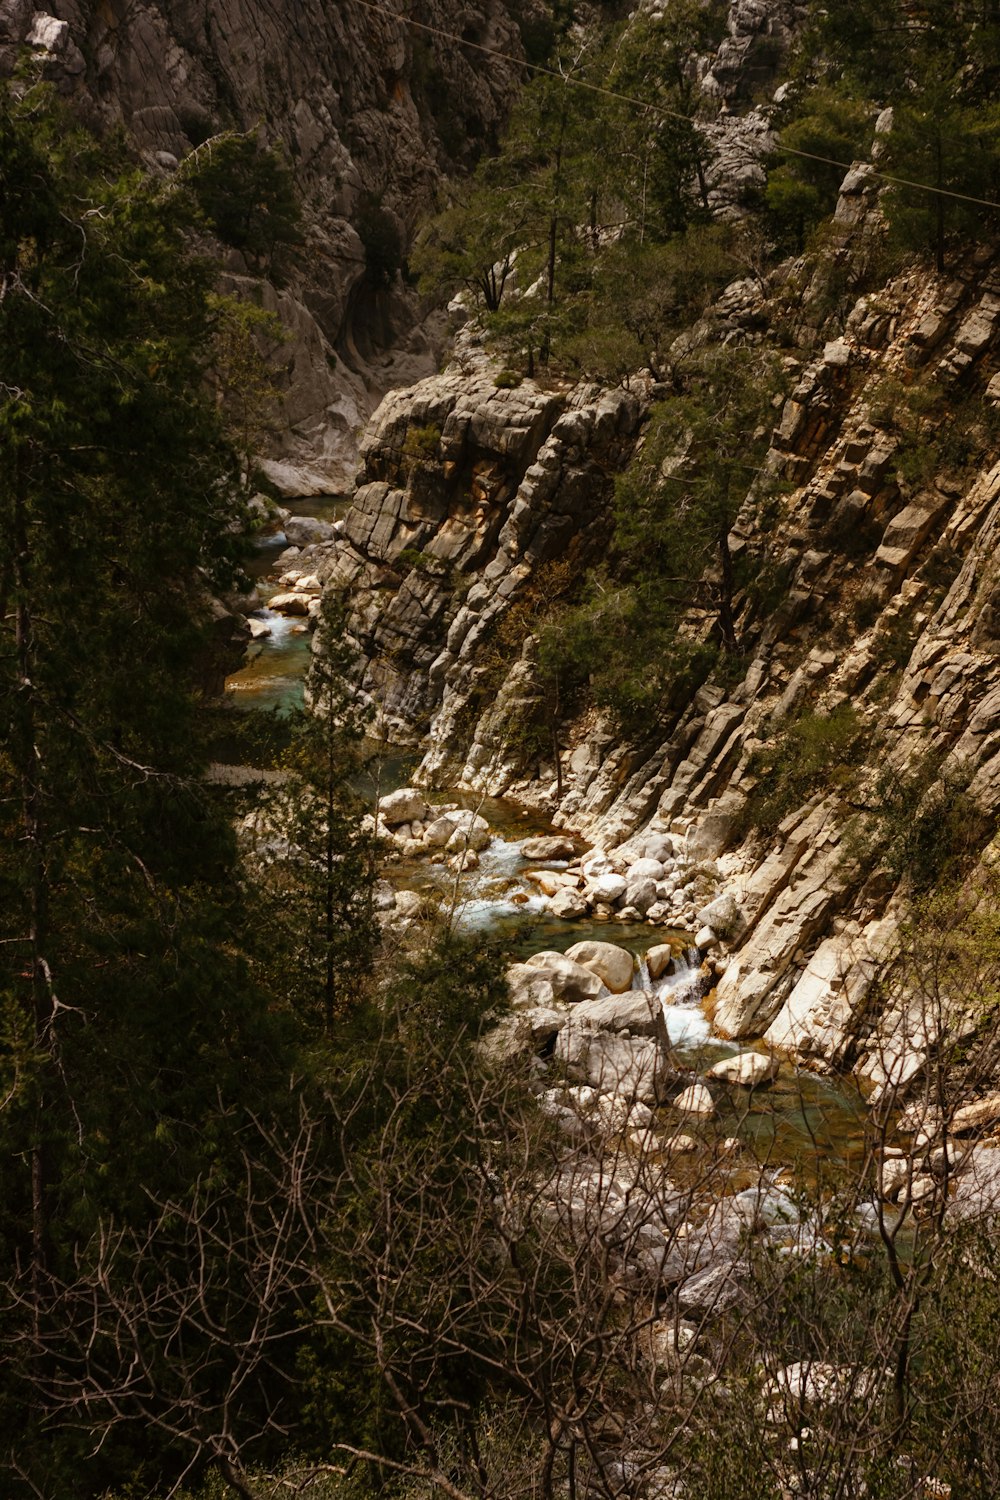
<point>607,888</point>
<point>568,904</point>
<point>614,965</point>
<point>695,1100</point>
<point>570,981</point>
<point>659,960</point>
<point>747,1069</point>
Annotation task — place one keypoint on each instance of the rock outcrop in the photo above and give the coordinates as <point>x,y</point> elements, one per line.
<point>468,491</point>
<point>888,607</point>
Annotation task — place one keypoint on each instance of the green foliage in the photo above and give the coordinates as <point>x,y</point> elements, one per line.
<point>949,145</point>
<point>922,827</point>
<point>813,753</point>
<point>323,927</point>
<point>420,446</point>
<point>248,198</point>
<point>644,292</point>
<point>936,65</point>
<point>652,623</point>
<point>824,122</point>
<point>584,188</point>
<point>131,1020</point>
<point>246,338</point>
<point>536,615</point>
<point>936,435</point>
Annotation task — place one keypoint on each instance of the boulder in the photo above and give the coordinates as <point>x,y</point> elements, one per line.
<point>547,848</point>
<point>465,859</point>
<point>659,960</point>
<point>551,882</point>
<point>724,917</point>
<point>570,981</point>
<point>657,846</point>
<point>705,939</point>
<point>529,988</point>
<point>607,888</point>
<point>681,1145</point>
<point>747,1069</point>
<point>636,1012</point>
<point>625,1066</point>
<point>468,838</point>
<point>616,1115</point>
<point>641,894</point>
<point>402,806</point>
<point>411,904</point>
<point>974,1116</point>
<point>597,863</point>
<point>612,964</point>
<point>568,904</point>
<point>645,869</point>
<point>305,531</point>
<point>695,1100</point>
<point>665,1342</point>
<point>438,832</point>
<point>290,604</point>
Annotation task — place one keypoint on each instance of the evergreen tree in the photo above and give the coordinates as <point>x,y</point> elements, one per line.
<point>317,929</point>
<point>131,1029</point>
<point>248,198</point>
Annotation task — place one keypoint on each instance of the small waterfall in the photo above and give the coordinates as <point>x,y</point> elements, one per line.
<point>679,993</point>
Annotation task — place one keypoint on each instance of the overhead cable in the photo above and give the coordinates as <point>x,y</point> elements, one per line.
<point>660,109</point>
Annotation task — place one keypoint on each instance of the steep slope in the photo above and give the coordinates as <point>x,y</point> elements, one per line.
<point>368,112</point>
<point>886,544</point>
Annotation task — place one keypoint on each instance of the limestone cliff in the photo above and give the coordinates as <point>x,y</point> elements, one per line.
<point>467,491</point>
<point>367,110</point>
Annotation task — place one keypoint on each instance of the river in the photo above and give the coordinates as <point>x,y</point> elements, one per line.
<point>804,1121</point>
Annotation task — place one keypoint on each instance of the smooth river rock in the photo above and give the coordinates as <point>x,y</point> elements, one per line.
<point>747,1069</point>
<point>570,981</point>
<point>614,965</point>
<point>402,806</point>
<point>547,848</point>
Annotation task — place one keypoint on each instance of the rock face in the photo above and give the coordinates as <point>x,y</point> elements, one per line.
<point>890,606</point>
<point>370,113</point>
<point>366,110</point>
<point>468,491</point>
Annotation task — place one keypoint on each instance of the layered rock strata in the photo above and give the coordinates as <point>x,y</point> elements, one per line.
<point>890,607</point>
<point>468,490</point>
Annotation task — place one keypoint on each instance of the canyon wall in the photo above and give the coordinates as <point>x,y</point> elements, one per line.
<point>366,110</point>
<point>887,607</point>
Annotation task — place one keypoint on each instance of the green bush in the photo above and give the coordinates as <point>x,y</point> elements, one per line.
<point>922,825</point>
<point>815,752</point>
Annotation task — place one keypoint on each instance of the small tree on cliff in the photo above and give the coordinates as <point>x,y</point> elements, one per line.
<point>247,195</point>
<point>665,603</point>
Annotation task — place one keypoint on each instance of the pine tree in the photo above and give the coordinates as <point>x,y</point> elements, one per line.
<point>131,1027</point>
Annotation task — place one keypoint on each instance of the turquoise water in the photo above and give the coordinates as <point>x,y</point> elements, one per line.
<point>274,673</point>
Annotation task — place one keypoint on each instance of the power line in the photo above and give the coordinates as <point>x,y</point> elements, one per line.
<point>660,109</point>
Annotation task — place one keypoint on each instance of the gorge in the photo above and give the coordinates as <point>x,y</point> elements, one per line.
<point>608,1106</point>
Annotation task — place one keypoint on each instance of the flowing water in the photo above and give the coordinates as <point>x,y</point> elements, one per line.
<point>803,1120</point>
<point>273,676</point>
